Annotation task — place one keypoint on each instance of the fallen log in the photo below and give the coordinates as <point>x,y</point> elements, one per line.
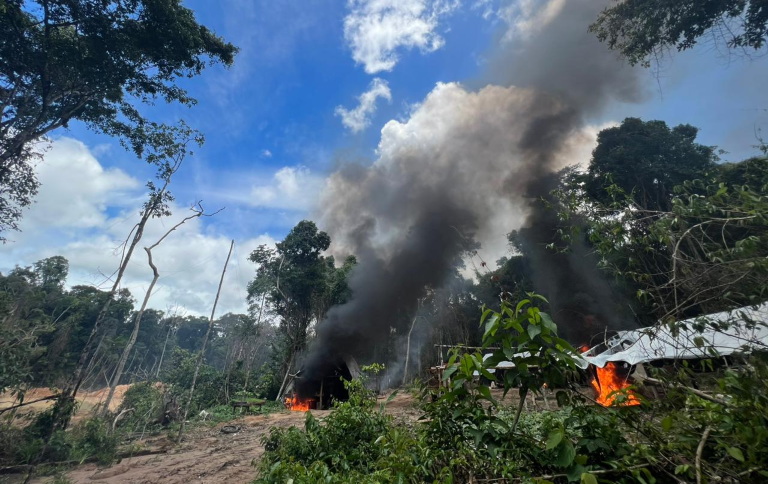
<point>15,469</point>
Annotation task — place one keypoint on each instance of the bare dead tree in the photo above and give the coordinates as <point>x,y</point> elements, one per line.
<point>171,327</point>
<point>197,212</point>
<point>205,343</point>
<point>408,345</point>
<point>155,206</point>
<point>254,351</point>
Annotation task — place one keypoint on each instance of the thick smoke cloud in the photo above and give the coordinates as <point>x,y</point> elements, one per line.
<point>469,165</point>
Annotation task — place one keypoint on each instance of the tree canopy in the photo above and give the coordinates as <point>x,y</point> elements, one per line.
<point>647,159</point>
<point>642,29</point>
<point>96,62</point>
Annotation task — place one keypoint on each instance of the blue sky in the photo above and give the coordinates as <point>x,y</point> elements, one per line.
<point>271,121</point>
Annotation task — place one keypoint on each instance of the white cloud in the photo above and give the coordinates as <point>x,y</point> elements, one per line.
<point>75,188</point>
<point>291,188</point>
<point>266,154</point>
<point>84,212</point>
<point>376,29</point>
<point>359,118</point>
<point>526,17</point>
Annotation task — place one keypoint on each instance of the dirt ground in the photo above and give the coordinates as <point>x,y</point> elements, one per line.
<point>87,400</point>
<point>206,455</point>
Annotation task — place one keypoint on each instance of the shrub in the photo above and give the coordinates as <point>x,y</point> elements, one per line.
<point>92,439</point>
<point>146,401</point>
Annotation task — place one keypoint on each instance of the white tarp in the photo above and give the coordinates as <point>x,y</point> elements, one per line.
<point>723,334</point>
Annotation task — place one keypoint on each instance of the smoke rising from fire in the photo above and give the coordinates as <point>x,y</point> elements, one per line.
<point>470,165</point>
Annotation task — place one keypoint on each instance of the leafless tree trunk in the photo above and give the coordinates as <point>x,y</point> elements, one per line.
<point>202,350</point>
<point>285,378</point>
<point>408,345</point>
<point>253,356</point>
<point>198,212</point>
<point>162,355</point>
<point>65,402</point>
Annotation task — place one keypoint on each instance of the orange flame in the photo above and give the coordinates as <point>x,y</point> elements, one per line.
<point>584,349</point>
<point>297,404</point>
<point>609,381</point>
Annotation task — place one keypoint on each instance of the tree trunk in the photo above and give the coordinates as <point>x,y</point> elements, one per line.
<point>140,314</point>
<point>408,346</point>
<point>202,350</point>
<point>253,357</point>
<point>167,335</point>
<point>285,378</point>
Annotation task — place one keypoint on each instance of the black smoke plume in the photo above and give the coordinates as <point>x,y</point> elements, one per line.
<point>472,165</point>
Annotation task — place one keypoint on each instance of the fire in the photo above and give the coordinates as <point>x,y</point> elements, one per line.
<point>584,349</point>
<point>609,381</point>
<point>297,404</point>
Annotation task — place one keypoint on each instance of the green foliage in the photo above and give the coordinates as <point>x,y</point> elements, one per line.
<point>66,60</point>
<point>145,400</point>
<point>209,383</point>
<point>642,30</point>
<point>705,253</point>
<point>89,439</point>
<point>92,439</point>
<point>737,432</point>
<point>355,444</point>
<point>646,160</point>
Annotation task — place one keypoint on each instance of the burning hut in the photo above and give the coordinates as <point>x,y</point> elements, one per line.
<point>316,388</point>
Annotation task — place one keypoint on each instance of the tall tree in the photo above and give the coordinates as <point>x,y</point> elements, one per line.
<point>64,60</point>
<point>300,283</point>
<point>646,159</point>
<point>702,251</point>
<point>641,30</point>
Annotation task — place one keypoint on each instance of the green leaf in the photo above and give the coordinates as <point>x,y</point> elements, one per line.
<point>450,371</point>
<point>666,424</point>
<point>574,472</point>
<point>487,374</point>
<point>520,305</point>
<point>587,478</point>
<point>491,325</point>
<point>736,453</point>
<point>486,393</point>
<point>565,454</point>
<point>555,437</point>
<point>533,330</point>
<point>486,313</point>
<point>547,322</point>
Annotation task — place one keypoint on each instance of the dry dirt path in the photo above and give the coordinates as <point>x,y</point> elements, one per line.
<point>208,456</point>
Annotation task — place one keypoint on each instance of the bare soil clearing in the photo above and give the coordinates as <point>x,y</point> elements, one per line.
<point>207,455</point>
<point>87,400</point>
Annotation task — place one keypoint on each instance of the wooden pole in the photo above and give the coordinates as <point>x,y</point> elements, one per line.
<point>320,402</point>
<point>205,342</point>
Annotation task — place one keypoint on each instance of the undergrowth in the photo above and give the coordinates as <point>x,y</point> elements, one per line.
<point>465,436</point>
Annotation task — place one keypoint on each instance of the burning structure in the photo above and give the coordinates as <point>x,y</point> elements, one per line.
<point>613,366</point>
<point>619,360</point>
<point>317,387</point>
